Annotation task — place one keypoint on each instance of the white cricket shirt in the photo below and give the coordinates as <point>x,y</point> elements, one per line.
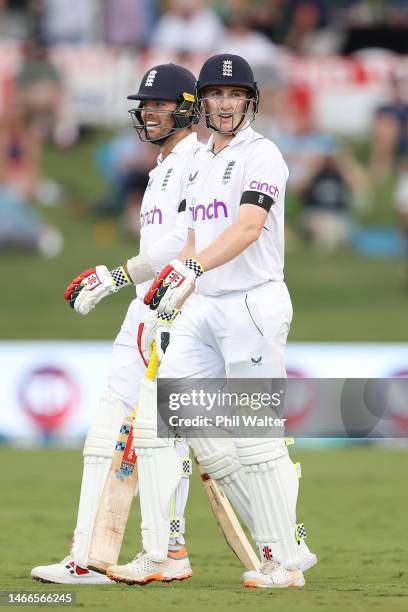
<point>163,226</point>
<point>250,165</point>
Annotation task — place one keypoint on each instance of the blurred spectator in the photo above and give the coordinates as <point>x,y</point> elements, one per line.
<point>128,22</point>
<point>125,165</point>
<point>390,138</point>
<point>188,25</point>
<point>16,19</point>
<point>240,39</point>
<point>267,17</point>
<point>326,195</point>
<point>22,227</point>
<point>326,180</point>
<point>308,32</point>
<point>68,22</point>
<point>390,148</point>
<point>20,152</point>
<point>21,146</point>
<point>39,87</point>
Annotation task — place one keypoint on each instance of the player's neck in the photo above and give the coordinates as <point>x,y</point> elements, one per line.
<point>221,141</point>
<point>172,141</point>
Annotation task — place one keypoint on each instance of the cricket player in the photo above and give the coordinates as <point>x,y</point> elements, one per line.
<point>236,322</point>
<point>164,117</point>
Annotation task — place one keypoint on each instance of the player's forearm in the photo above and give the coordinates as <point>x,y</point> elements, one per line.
<point>233,241</point>
<point>189,246</point>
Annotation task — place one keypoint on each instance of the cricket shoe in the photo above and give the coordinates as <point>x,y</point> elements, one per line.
<point>142,569</point>
<point>68,572</point>
<point>273,575</point>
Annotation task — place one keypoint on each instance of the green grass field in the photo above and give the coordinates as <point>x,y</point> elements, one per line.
<point>353,501</point>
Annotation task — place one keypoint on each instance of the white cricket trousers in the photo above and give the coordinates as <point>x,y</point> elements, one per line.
<point>239,335</point>
<point>127,367</point>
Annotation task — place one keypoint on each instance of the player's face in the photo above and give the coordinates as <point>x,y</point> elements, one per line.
<point>225,105</point>
<point>156,117</point>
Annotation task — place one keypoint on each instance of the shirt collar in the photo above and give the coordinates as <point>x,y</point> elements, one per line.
<point>181,147</point>
<point>244,135</point>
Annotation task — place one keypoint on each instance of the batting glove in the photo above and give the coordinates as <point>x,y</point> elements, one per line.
<point>154,328</point>
<point>173,285</point>
<point>92,285</point>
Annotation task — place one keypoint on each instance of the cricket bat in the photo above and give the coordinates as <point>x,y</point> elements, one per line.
<point>228,522</point>
<point>118,492</point>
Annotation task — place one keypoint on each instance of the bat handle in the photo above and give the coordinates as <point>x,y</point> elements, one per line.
<point>154,363</point>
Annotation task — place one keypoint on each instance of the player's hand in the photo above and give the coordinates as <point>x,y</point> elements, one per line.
<point>91,286</point>
<point>154,328</point>
<point>173,285</point>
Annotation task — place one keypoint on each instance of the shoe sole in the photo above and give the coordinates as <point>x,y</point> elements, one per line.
<point>79,581</point>
<point>253,584</point>
<point>154,577</point>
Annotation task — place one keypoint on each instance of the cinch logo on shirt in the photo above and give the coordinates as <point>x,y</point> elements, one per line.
<point>151,216</point>
<point>271,189</point>
<point>201,212</point>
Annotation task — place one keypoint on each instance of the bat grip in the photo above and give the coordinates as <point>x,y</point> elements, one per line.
<point>154,363</point>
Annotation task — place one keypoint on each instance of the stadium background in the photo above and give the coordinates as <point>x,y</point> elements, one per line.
<point>334,81</point>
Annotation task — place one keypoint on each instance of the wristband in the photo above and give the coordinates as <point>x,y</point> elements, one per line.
<point>195,266</point>
<point>119,276</point>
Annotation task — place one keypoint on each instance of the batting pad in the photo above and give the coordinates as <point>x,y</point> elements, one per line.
<point>98,451</point>
<point>218,457</point>
<point>273,487</point>
<point>160,470</point>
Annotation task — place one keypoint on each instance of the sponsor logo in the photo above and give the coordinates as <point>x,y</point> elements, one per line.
<point>256,361</point>
<point>213,210</point>
<point>92,282</point>
<point>192,177</point>
<point>271,190</point>
<point>150,78</point>
<point>49,396</point>
<point>151,217</point>
<point>227,68</point>
<point>227,172</point>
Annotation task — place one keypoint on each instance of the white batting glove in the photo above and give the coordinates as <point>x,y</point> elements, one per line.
<point>154,328</point>
<point>92,285</point>
<point>173,285</point>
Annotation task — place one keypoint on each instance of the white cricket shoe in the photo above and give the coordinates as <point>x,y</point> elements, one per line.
<point>142,569</point>
<point>273,575</point>
<point>67,572</point>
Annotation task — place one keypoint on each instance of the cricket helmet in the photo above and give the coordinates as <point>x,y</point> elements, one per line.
<point>171,83</point>
<point>227,69</point>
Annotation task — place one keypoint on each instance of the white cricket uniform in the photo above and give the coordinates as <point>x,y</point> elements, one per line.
<point>238,320</point>
<point>163,232</point>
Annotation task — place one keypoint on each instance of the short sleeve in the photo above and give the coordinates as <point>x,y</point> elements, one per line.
<point>265,175</point>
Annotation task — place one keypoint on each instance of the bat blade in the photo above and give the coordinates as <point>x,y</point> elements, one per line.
<point>228,522</point>
<point>115,503</point>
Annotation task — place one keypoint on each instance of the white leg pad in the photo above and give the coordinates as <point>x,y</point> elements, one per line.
<point>159,473</point>
<point>159,469</point>
<point>219,459</point>
<point>179,499</point>
<point>273,486</point>
<point>98,451</point>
